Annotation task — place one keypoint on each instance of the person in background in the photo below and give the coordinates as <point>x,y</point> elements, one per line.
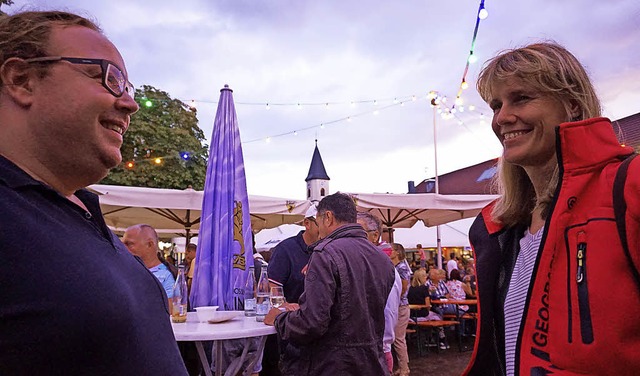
<point>544,248</point>
<point>142,241</point>
<point>398,258</point>
<point>451,264</point>
<point>73,301</point>
<point>189,263</point>
<point>422,254</point>
<point>419,292</point>
<point>372,226</point>
<point>339,325</point>
<point>169,264</point>
<point>288,260</point>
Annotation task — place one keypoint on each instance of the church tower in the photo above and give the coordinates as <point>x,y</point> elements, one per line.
<point>317,179</point>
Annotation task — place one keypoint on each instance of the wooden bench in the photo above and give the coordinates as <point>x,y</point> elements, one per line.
<point>417,328</point>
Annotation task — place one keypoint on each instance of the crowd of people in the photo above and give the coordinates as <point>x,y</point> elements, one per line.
<point>75,300</point>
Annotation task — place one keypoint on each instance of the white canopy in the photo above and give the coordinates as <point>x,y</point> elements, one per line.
<point>452,234</point>
<point>404,210</point>
<point>178,211</point>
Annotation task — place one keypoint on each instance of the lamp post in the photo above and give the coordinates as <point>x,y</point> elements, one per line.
<point>435,103</point>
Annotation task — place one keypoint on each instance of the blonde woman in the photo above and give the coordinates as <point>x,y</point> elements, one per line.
<point>419,292</point>
<point>544,247</point>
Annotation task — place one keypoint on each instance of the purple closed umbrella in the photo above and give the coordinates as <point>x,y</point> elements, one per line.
<point>225,246</point>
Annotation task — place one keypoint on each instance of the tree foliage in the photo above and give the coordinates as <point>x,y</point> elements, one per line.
<point>163,128</point>
<point>6,2</point>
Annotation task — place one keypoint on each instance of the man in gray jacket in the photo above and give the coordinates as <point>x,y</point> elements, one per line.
<point>339,324</point>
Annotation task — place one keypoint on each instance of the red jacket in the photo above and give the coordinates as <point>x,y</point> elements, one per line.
<point>581,313</point>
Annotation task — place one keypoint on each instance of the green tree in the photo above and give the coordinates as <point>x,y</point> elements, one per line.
<point>167,129</point>
<point>6,2</point>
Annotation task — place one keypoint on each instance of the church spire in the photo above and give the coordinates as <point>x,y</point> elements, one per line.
<point>317,179</point>
<point>317,170</point>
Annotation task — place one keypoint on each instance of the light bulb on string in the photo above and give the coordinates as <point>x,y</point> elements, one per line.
<point>353,104</point>
<point>268,140</point>
<point>483,13</point>
<point>299,106</point>
<point>130,165</point>
<point>349,119</point>
<point>459,101</point>
<point>472,58</point>
<point>322,126</point>
<point>375,102</point>
<point>268,107</point>
<point>461,109</point>
<point>432,94</point>
<point>158,160</point>
<point>464,85</point>
<point>472,107</point>
<point>326,105</point>
<point>192,105</point>
<point>295,133</point>
<point>413,98</point>
<point>395,100</point>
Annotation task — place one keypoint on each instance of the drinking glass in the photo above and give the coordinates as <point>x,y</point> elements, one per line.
<point>277,297</point>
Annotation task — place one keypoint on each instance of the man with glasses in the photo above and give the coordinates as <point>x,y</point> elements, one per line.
<point>339,324</point>
<point>73,300</point>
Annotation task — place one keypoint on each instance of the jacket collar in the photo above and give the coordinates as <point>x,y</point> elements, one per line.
<point>588,143</point>
<point>350,230</point>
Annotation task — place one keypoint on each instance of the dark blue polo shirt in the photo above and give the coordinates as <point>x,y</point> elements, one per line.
<point>73,300</point>
<point>288,259</point>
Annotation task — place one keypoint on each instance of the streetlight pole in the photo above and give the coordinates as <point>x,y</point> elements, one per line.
<point>434,106</point>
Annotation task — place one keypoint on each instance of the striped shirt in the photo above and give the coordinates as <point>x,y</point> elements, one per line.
<point>517,294</point>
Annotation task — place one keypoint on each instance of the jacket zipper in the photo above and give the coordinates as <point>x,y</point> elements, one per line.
<point>586,327</point>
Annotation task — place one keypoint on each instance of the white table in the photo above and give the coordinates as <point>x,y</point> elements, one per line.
<point>237,328</point>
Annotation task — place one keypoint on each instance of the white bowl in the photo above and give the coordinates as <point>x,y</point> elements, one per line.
<point>206,313</point>
<point>222,316</point>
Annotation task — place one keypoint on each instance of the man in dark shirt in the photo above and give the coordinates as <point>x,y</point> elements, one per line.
<point>339,324</point>
<point>73,300</point>
<point>290,256</point>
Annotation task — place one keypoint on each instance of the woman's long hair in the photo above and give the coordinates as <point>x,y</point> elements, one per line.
<point>551,70</point>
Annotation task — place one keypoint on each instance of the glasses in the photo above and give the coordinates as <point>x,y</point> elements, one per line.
<point>113,79</point>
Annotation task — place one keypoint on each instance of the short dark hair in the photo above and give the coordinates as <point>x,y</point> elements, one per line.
<point>341,205</point>
<point>455,275</point>
<point>190,247</point>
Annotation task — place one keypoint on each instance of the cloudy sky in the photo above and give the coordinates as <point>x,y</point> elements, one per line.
<point>285,52</point>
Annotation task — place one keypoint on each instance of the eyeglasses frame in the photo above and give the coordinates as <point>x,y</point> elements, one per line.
<point>104,65</point>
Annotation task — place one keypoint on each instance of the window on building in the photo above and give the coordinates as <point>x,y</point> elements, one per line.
<point>322,192</point>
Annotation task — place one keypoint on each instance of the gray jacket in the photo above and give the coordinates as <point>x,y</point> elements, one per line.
<point>340,324</point>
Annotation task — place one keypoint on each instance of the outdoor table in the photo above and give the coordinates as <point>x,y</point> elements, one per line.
<point>458,316</point>
<point>237,328</point>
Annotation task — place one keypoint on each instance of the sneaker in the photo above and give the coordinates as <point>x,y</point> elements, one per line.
<point>443,346</point>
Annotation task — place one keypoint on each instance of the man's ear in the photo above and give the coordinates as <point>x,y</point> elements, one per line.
<point>17,79</point>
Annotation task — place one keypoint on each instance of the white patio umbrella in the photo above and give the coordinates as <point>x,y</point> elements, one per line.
<point>174,211</point>
<point>404,210</point>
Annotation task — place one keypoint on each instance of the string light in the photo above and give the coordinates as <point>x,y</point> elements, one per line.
<point>268,107</point>
<point>482,12</point>
<point>481,15</point>
<point>158,160</point>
